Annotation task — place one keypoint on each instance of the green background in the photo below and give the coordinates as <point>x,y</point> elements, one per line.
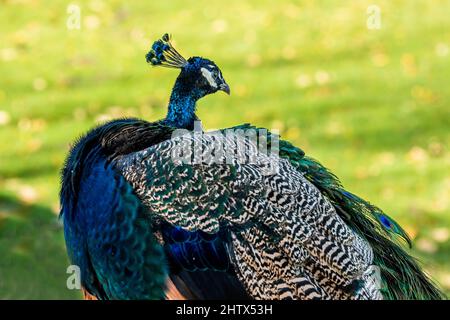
<point>372,105</point>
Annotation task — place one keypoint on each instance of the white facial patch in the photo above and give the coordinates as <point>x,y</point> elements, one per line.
<point>208,76</point>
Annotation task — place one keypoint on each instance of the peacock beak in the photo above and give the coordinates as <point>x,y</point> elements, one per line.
<point>225,88</point>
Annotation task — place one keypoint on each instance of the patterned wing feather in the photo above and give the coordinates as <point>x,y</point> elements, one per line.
<point>287,241</point>
<point>401,275</point>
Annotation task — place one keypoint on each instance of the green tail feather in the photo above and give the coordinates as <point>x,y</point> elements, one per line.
<point>401,275</point>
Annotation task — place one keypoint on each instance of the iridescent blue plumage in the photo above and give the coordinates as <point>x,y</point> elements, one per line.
<point>196,250</point>
<point>385,221</point>
<point>106,227</point>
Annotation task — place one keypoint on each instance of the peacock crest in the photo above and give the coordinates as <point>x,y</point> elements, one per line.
<point>164,54</point>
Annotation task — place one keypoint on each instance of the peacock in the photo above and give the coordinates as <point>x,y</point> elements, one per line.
<point>141,223</point>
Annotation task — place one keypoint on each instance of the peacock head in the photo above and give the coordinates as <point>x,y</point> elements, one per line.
<point>199,76</point>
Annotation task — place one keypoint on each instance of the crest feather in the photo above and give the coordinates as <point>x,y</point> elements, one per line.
<point>164,54</point>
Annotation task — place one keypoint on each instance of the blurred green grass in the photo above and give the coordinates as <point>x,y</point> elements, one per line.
<point>372,105</point>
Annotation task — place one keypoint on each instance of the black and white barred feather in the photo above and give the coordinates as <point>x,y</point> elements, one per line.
<point>287,241</point>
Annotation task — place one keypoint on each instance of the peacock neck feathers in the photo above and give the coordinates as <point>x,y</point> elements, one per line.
<point>181,109</point>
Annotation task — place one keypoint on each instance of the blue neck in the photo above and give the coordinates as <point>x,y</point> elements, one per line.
<point>181,110</point>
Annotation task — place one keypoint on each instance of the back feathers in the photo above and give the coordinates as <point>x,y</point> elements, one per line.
<point>402,277</point>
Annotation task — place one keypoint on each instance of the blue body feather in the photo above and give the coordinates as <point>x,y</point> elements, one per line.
<point>194,251</point>
<point>107,236</point>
